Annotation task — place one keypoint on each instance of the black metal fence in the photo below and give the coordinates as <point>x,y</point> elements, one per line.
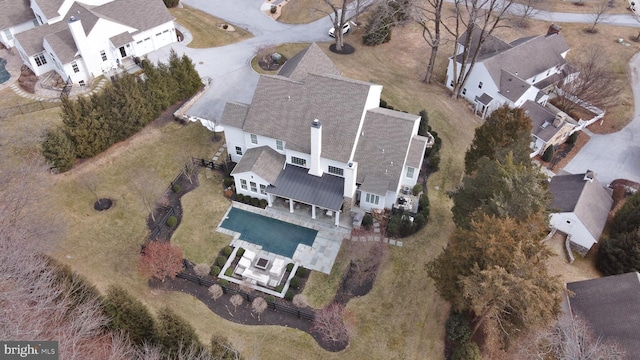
<point>209,164</point>
<point>161,224</point>
<point>301,314</point>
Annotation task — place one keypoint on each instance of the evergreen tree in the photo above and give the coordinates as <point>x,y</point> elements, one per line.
<point>620,254</point>
<point>192,79</point>
<point>157,86</point>
<point>58,150</point>
<point>627,219</point>
<point>423,129</point>
<point>505,130</point>
<point>174,332</point>
<point>129,315</point>
<point>504,189</point>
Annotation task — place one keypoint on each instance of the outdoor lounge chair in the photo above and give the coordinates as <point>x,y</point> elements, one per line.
<point>277,268</point>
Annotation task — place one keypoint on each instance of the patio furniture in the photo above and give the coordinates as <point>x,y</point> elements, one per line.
<point>261,279</point>
<point>249,255</point>
<point>329,213</point>
<point>277,268</point>
<point>244,262</point>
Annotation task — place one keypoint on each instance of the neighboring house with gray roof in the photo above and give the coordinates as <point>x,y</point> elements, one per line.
<point>510,73</point>
<point>15,17</point>
<point>83,40</point>
<point>326,138</point>
<point>611,307</point>
<point>579,207</point>
<point>547,128</point>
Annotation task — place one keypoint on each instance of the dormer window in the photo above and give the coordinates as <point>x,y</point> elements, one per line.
<point>254,139</point>
<point>279,145</point>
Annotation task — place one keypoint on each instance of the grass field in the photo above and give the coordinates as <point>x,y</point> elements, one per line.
<point>402,317</point>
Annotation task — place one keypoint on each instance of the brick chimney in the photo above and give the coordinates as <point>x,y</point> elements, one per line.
<point>554,29</point>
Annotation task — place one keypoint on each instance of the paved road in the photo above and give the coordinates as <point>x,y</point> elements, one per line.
<point>229,66</point>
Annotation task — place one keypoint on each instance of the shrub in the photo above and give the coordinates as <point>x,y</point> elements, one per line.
<point>367,221</point>
<point>279,288</point>
<point>423,206</point>
<point>419,222</point>
<point>270,298</point>
<point>378,29</point>
<point>225,26</point>
<point>548,154</point>
<point>573,138</point>
<point>175,188</point>
<point>228,181</point>
<point>227,250</point>
<point>273,9</point>
<point>221,260</point>
<point>172,221</point>
<point>295,283</point>
<point>434,160</point>
<point>417,189</point>
<point>289,295</point>
<point>240,197</point>
<point>263,203</point>
<point>229,272</point>
<point>302,272</point>
<point>290,267</point>
<point>300,300</point>
<point>202,269</point>
<point>457,327</point>
<point>223,282</point>
<point>247,199</point>
<point>466,351</point>
<point>215,270</point>
<point>255,202</point>
<point>240,252</point>
<point>58,150</point>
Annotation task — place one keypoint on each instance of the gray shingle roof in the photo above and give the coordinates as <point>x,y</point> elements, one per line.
<point>485,99</point>
<point>416,151</point>
<point>263,161</point>
<point>294,182</point>
<point>283,109</point>
<point>310,60</point>
<point>32,39</point>
<point>587,199</point>
<point>611,305</point>
<point>528,58</point>
<point>234,114</point>
<point>50,8</point>
<point>540,115</point>
<point>511,86</point>
<point>14,12</point>
<point>63,45</point>
<point>382,148</point>
<point>121,39</point>
<point>491,46</point>
<point>138,14</point>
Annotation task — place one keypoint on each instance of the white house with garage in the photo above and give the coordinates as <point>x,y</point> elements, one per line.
<point>510,73</point>
<point>83,40</point>
<point>311,136</point>
<point>579,207</point>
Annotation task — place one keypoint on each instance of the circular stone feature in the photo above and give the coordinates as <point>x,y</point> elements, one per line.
<point>103,204</point>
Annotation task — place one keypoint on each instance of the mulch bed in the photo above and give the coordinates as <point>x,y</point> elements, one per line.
<point>354,284</point>
<point>565,153</point>
<point>346,49</point>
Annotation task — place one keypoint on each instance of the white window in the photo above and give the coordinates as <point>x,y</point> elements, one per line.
<point>279,145</point>
<point>75,67</point>
<point>81,82</point>
<point>336,170</point>
<point>263,189</point>
<point>480,85</point>
<point>243,184</point>
<point>373,199</point>
<point>7,33</point>
<point>254,139</point>
<point>254,188</point>
<point>103,55</point>
<point>298,161</point>
<point>238,150</point>
<point>410,172</point>
<point>40,59</point>
<point>451,83</point>
<point>39,21</point>
<point>464,91</point>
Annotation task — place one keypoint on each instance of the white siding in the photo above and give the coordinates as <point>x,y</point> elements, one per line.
<point>250,177</point>
<point>234,137</point>
<point>570,224</point>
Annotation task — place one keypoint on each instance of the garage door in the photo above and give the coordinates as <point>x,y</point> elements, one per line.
<point>144,46</point>
<point>164,38</point>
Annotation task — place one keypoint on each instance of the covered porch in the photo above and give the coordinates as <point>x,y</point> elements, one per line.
<point>319,196</point>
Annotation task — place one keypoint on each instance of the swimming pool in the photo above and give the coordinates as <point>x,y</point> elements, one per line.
<point>273,235</point>
<point>4,74</point>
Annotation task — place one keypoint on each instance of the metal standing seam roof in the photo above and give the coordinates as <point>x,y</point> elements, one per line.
<point>295,183</point>
<point>14,12</point>
<point>382,149</point>
<point>611,306</point>
<point>262,161</point>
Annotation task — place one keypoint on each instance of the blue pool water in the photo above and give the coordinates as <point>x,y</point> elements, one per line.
<point>4,74</point>
<point>275,236</point>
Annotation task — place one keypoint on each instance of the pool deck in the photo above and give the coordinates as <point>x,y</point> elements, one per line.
<point>319,257</point>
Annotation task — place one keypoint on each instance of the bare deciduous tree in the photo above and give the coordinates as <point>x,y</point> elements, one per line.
<point>259,305</point>
<point>216,291</point>
<point>90,181</point>
<point>594,83</point>
<point>202,269</point>
<point>339,19</point>
<point>598,16</point>
<point>149,188</point>
<point>525,11</point>
<point>300,300</point>
<point>329,323</point>
<point>570,338</point>
<point>236,300</point>
<point>429,16</point>
<point>474,22</point>
<point>160,260</point>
